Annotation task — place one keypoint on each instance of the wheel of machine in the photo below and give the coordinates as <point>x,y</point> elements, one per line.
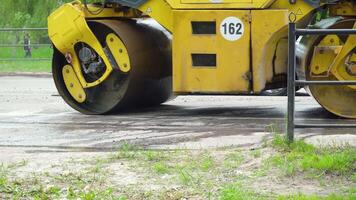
<point>339,100</point>
<point>275,92</point>
<point>148,82</point>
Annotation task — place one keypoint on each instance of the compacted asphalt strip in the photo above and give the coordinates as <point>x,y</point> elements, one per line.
<point>33,118</point>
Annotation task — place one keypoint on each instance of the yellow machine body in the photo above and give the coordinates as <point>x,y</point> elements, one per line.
<point>226,4</point>
<point>233,73</point>
<point>207,62</point>
<point>218,47</point>
<point>338,65</point>
<point>72,29</point>
<point>242,66</point>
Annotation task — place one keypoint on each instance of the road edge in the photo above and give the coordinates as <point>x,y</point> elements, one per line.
<point>27,74</point>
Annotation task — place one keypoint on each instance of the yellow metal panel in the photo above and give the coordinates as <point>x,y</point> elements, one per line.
<point>211,2</point>
<point>66,27</point>
<point>300,8</point>
<point>119,51</point>
<point>331,40</point>
<point>231,74</point>
<point>72,84</point>
<point>353,58</point>
<point>160,11</point>
<point>322,59</point>
<point>268,28</point>
<point>112,12</point>
<point>324,55</point>
<point>281,57</point>
<point>338,67</point>
<point>225,4</point>
<point>344,8</point>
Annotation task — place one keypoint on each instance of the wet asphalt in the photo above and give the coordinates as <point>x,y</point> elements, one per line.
<point>34,118</point>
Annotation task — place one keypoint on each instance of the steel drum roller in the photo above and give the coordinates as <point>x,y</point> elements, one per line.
<point>339,100</point>
<point>148,83</point>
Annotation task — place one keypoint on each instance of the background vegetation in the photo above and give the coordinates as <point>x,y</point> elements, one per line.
<point>26,14</point>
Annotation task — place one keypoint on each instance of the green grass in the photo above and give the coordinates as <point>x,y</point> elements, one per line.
<point>40,52</point>
<point>315,197</point>
<point>233,160</point>
<point>256,153</point>
<point>238,192</point>
<point>302,157</point>
<point>4,173</point>
<point>155,155</point>
<point>25,65</point>
<point>198,171</point>
<point>353,178</point>
<point>127,151</point>
<point>186,177</point>
<point>233,192</point>
<point>87,184</point>
<point>197,174</point>
<point>160,168</point>
<point>207,162</point>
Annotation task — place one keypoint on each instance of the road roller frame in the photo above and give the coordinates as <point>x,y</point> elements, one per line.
<point>293,83</point>
<point>218,47</point>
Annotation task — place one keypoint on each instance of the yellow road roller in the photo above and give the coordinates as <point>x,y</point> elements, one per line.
<point>116,55</point>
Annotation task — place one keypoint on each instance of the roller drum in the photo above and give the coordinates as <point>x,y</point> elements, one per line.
<point>148,83</point>
<point>339,100</point>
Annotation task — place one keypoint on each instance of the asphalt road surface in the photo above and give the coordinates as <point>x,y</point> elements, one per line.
<point>34,118</point>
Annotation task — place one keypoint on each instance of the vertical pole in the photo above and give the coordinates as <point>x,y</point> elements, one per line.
<point>291,81</point>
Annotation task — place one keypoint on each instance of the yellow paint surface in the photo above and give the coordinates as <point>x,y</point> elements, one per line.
<point>231,74</point>
<point>66,27</point>
<point>72,84</point>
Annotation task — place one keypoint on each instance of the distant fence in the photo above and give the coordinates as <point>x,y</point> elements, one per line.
<point>14,49</point>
